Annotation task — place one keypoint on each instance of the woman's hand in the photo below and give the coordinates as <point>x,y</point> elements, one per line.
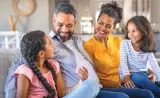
<point>128,82</point>
<point>83,73</point>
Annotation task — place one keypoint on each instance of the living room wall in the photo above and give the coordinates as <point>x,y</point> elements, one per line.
<point>38,20</point>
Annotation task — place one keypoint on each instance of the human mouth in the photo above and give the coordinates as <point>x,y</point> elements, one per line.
<point>63,34</point>
<point>102,32</point>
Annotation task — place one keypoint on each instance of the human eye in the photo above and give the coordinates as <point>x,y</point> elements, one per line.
<point>69,26</point>
<point>100,23</point>
<point>108,26</point>
<point>60,24</point>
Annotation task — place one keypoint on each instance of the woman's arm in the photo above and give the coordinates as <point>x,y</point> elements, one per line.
<point>22,86</point>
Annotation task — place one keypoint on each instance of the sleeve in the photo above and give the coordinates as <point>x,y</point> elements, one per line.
<point>25,70</point>
<point>55,65</point>
<point>123,68</point>
<point>154,65</point>
<point>89,49</point>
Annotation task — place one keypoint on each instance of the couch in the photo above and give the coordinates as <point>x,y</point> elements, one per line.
<point>7,56</point>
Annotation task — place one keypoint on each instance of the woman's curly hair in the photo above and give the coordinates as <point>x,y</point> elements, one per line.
<point>31,44</point>
<point>113,10</point>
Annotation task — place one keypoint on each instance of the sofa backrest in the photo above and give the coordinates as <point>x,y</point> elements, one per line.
<point>7,56</point>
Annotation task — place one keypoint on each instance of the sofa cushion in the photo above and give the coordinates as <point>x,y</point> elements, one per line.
<point>7,56</point>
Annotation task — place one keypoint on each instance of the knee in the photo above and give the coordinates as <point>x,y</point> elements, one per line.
<point>147,93</point>
<point>121,95</point>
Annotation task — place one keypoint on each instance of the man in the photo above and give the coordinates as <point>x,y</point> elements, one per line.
<point>69,52</point>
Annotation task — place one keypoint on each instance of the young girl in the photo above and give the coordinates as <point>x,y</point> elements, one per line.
<point>138,48</point>
<point>41,77</point>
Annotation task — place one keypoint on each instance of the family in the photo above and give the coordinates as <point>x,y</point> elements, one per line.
<point>62,65</point>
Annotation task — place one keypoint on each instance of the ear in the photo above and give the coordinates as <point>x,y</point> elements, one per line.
<point>54,20</point>
<point>41,54</point>
<point>75,22</point>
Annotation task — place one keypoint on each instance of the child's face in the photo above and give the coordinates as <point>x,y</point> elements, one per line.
<point>133,33</point>
<point>48,52</point>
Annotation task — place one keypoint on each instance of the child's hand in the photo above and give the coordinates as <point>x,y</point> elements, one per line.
<point>152,77</point>
<point>129,84</point>
<point>83,73</point>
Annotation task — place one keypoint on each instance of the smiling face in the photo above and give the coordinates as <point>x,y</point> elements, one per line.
<point>133,33</point>
<point>64,25</point>
<point>105,25</point>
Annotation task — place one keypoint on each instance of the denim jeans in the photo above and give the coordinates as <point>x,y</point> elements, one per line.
<point>126,93</point>
<point>142,81</point>
<point>88,89</point>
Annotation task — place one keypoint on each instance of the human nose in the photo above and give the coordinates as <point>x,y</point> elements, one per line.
<point>64,29</point>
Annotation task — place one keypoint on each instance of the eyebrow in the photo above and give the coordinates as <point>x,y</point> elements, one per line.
<point>70,24</point>
<point>106,24</point>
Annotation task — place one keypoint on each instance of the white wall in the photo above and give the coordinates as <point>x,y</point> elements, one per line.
<point>38,20</point>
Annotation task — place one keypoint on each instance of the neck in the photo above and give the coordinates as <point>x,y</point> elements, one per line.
<point>40,63</point>
<point>136,46</point>
<point>100,39</point>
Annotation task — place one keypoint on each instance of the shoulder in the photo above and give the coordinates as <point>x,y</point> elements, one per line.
<point>115,38</point>
<point>125,42</point>
<point>54,64</point>
<point>90,41</point>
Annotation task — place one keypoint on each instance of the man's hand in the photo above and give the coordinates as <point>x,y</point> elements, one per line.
<point>83,73</point>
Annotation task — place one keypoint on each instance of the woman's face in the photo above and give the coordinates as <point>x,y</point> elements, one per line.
<point>104,26</point>
<point>133,33</point>
<point>48,52</point>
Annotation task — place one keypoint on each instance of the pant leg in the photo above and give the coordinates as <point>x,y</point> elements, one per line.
<point>141,79</point>
<point>109,94</point>
<point>88,89</point>
<point>132,92</point>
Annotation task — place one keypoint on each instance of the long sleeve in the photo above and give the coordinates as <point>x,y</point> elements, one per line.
<point>123,68</point>
<point>154,65</point>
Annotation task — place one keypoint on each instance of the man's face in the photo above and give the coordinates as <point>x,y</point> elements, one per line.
<point>64,25</point>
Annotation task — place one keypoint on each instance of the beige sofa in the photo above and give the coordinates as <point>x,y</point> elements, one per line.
<point>7,56</point>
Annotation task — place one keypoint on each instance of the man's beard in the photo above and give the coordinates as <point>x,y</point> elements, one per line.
<point>65,36</point>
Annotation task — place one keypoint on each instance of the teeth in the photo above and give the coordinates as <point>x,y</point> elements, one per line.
<point>63,34</point>
<point>102,32</point>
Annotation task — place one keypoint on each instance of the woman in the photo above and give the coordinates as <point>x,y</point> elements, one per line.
<point>104,48</point>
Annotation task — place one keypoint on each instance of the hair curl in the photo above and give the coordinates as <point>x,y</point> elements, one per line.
<point>113,10</point>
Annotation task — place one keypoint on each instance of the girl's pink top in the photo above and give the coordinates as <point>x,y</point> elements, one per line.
<point>36,88</point>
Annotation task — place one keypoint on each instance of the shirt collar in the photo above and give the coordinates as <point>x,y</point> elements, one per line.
<point>52,35</point>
